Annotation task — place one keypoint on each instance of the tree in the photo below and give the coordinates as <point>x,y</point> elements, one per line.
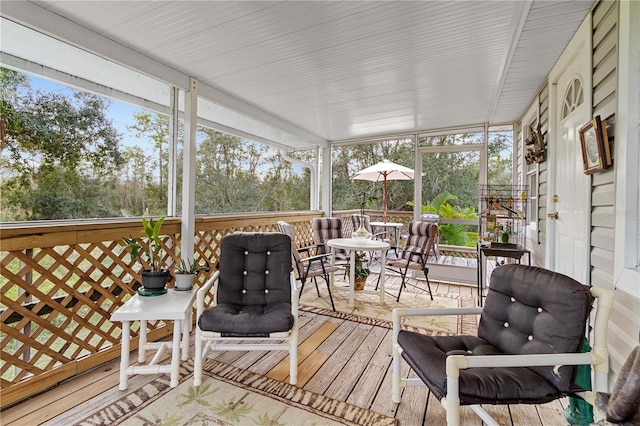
<point>349,159</point>
<point>57,150</point>
<point>236,175</point>
<point>155,127</point>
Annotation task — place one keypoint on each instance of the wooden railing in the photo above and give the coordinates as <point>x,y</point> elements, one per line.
<point>60,282</point>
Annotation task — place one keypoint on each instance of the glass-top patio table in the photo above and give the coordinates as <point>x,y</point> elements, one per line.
<point>360,244</point>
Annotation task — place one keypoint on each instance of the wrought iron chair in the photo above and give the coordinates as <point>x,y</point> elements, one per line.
<point>255,300</point>
<point>309,267</point>
<point>528,345</point>
<point>414,254</point>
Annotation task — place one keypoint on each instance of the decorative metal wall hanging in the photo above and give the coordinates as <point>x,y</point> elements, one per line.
<point>537,151</point>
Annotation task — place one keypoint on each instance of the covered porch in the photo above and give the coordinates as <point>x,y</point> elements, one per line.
<point>334,74</point>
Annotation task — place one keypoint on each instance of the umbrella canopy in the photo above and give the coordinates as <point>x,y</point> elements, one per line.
<point>384,171</point>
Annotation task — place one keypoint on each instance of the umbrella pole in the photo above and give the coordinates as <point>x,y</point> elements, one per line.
<point>384,198</point>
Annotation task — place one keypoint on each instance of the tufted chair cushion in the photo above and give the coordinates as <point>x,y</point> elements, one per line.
<point>254,293</point>
<point>528,310</point>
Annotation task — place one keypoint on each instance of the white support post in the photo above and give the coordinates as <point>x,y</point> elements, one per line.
<point>326,181</point>
<point>189,171</point>
<point>315,183</point>
<point>172,196</point>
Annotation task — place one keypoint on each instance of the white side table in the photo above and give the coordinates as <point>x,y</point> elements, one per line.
<point>176,306</point>
<point>359,244</point>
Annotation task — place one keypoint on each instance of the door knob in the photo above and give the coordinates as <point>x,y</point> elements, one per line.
<point>553,215</point>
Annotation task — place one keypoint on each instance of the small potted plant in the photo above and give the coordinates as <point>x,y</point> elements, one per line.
<point>186,272</point>
<point>361,270</point>
<point>148,251</point>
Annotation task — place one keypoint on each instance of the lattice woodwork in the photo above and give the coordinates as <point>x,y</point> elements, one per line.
<point>61,283</point>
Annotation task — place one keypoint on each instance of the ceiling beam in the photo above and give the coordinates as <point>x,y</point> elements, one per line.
<point>520,15</point>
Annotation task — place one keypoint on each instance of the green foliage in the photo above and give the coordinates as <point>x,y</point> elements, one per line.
<point>452,234</point>
<point>235,175</point>
<point>150,245</point>
<point>57,151</point>
<point>361,268</point>
<point>61,159</point>
<point>348,160</point>
<point>189,267</point>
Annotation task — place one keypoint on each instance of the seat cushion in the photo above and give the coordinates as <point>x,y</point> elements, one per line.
<point>403,264</point>
<point>427,356</point>
<point>257,320</point>
<point>254,290</point>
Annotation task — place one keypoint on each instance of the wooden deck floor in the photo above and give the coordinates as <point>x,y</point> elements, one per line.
<point>346,360</point>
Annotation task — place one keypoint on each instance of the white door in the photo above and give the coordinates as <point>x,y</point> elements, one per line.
<point>571,198</point>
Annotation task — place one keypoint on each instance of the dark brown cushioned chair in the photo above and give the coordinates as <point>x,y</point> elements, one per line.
<point>528,311</point>
<point>255,300</point>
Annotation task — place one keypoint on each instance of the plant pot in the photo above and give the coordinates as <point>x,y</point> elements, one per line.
<point>185,282</point>
<point>155,280</point>
<point>359,283</point>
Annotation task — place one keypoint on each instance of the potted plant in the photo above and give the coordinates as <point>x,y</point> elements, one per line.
<point>148,250</point>
<point>186,272</point>
<point>361,270</point>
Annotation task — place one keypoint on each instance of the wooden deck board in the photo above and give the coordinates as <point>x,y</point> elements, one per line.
<point>370,382</point>
<point>352,370</point>
<point>382,403</point>
<point>332,369</point>
<point>338,358</point>
<point>413,413</point>
<point>305,349</point>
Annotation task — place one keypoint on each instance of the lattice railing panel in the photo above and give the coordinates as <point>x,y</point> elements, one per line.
<point>60,284</point>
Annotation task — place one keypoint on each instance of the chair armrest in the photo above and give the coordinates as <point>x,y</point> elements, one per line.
<point>307,249</point>
<point>316,257</point>
<point>421,312</point>
<point>399,313</point>
<point>377,234</point>
<point>204,290</point>
<point>455,363</point>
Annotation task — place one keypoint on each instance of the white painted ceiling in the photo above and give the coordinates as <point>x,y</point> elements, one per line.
<point>339,70</point>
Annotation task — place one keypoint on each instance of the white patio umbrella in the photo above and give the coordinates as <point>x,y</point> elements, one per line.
<point>384,171</point>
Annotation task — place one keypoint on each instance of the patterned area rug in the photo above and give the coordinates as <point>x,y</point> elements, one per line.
<point>368,309</point>
<point>227,396</point>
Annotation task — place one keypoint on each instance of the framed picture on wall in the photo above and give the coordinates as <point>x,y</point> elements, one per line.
<point>592,142</point>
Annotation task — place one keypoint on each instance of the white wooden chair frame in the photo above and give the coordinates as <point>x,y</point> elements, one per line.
<point>208,341</point>
<point>598,358</point>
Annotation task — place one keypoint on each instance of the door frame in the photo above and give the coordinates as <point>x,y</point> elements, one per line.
<point>579,43</point>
